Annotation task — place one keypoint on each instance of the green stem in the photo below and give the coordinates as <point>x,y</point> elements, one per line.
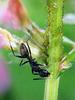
<point>55,47</point>
<point>51,89</point>
<point>66,40</point>
<point>55,34</point>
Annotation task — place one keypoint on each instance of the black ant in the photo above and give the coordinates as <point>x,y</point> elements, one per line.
<point>25,52</point>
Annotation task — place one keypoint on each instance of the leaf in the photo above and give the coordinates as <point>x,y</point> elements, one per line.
<point>71,56</point>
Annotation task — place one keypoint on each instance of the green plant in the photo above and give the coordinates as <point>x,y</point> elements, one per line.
<point>49,43</point>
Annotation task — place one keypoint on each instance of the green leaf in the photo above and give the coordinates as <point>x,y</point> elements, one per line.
<point>71,56</point>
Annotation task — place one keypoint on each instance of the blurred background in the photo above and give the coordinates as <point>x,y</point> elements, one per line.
<point>20,84</point>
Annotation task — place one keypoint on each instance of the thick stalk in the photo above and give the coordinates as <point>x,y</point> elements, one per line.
<point>51,89</point>
<point>55,48</point>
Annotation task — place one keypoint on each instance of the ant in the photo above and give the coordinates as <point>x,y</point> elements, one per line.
<point>25,52</point>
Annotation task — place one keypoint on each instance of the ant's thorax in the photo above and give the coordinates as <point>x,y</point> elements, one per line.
<point>33,62</point>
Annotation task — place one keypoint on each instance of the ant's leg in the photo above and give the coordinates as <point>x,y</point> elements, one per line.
<point>14,52</point>
<point>23,62</point>
<point>12,49</point>
<point>28,48</point>
<point>35,73</point>
<point>39,78</point>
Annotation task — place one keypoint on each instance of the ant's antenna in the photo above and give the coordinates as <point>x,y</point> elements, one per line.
<point>10,45</point>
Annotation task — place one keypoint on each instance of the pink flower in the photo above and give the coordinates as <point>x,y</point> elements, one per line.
<point>13,14</point>
<point>4,77</point>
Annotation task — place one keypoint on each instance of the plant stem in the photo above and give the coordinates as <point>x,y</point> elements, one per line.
<point>55,34</point>
<point>51,89</point>
<point>55,47</point>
